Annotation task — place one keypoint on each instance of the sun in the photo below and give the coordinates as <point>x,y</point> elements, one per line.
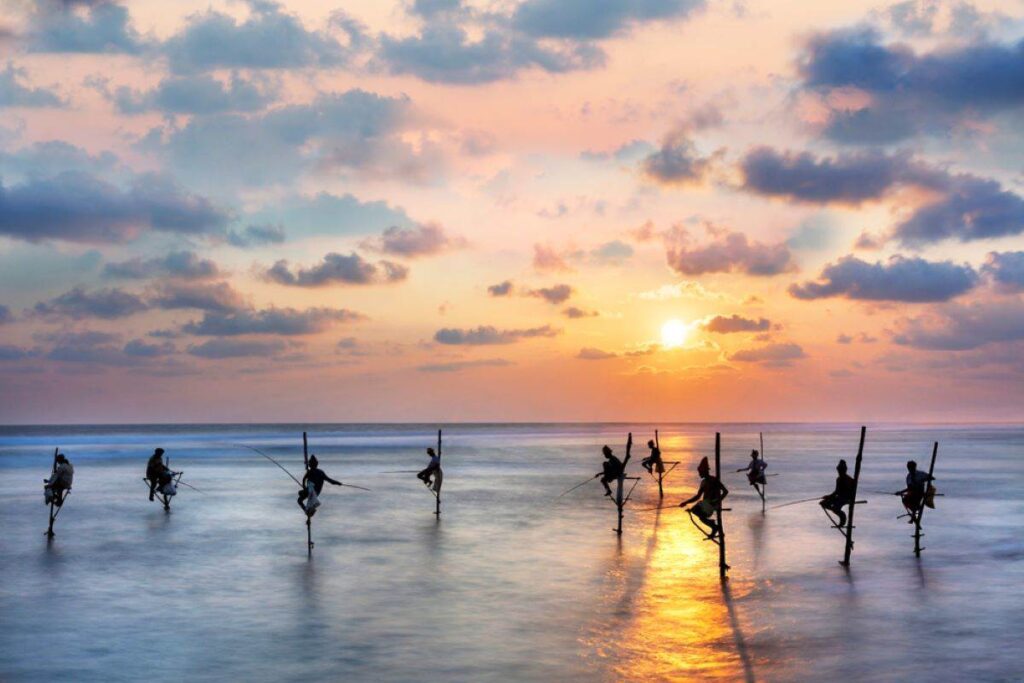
<point>674,333</point>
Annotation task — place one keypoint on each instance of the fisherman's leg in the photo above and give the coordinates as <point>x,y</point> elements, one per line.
<point>303,494</point>
<point>152,487</point>
<point>607,489</point>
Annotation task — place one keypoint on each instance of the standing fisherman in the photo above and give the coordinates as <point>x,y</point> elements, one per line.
<point>713,492</point>
<point>611,469</point>
<point>432,471</point>
<point>653,463</point>
<point>919,491</point>
<point>158,473</point>
<point>312,485</point>
<point>841,496</point>
<point>59,482</point>
<point>755,471</point>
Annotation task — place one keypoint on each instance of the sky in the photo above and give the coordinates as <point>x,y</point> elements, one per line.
<point>534,210</point>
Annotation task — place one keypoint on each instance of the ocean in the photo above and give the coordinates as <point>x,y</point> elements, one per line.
<point>512,582</point>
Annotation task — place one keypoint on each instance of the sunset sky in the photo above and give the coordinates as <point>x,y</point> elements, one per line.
<point>542,210</point>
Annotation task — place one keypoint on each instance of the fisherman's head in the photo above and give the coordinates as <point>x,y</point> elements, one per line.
<point>841,467</point>
<point>430,452</point>
<point>703,469</point>
<point>61,458</point>
<point>158,451</point>
<point>911,466</point>
<point>754,454</point>
<point>650,444</point>
<point>313,462</point>
<point>607,452</point>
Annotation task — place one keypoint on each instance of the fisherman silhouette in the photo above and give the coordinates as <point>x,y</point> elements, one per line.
<point>713,493</point>
<point>918,492</point>
<point>653,462</point>
<point>158,473</point>
<point>312,485</point>
<point>841,496</point>
<point>59,482</point>
<point>432,470</point>
<point>755,470</point>
<point>611,469</point>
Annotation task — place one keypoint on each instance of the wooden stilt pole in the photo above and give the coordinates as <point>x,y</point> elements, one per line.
<point>309,520</point>
<point>438,479</point>
<point>722,566</point>
<point>920,511</point>
<point>619,493</point>
<point>853,503</point>
<point>764,486</point>
<point>53,495</point>
<point>620,483</point>
<point>661,470</point>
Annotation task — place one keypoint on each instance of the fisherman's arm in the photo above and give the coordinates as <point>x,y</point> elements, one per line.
<point>696,496</point>
<point>332,481</point>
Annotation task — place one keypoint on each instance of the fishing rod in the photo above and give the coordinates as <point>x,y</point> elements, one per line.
<point>579,485</point>
<point>256,450</point>
<point>190,486</point>
<point>353,486</point>
<point>661,507</point>
<point>796,502</point>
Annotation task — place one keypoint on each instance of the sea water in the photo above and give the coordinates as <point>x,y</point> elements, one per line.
<point>513,582</point>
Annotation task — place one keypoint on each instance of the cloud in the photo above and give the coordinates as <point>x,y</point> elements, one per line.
<point>844,339</point>
<point>217,349</point>
<point>355,130</point>
<point>338,269</point>
<point>141,349</point>
<point>736,323</point>
<point>556,294</point>
<point>686,288</point>
<point>80,207</point>
<point>50,157</point>
<point>910,93</point>
<point>501,289</point>
<point>546,258</point>
<point>218,297</point>
<point>972,209</point>
<point>589,353</point>
<point>615,252</point>
<point>574,313</point>
<point>963,206</point>
<point>770,354</point>
<point>13,93</point>
<point>420,240</point>
<point>108,304</point>
<point>587,20</point>
<point>726,252</point>
<point>184,265</point>
<point>5,315</point>
<point>197,95</point>
<point>99,27</point>
<point>279,321</point>
<point>256,235</point>
<point>445,52</point>
<point>677,162</point>
<point>911,280</point>
<point>631,151</point>
<point>267,39</point>
<point>485,335</point>
<point>847,178</point>
<point>457,366</point>
<point>1006,270</point>
<point>328,214</point>
<point>958,327</point>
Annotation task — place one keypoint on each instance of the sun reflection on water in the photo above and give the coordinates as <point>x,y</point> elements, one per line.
<point>671,618</point>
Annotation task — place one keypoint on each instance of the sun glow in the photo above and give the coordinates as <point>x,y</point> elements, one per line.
<point>674,333</point>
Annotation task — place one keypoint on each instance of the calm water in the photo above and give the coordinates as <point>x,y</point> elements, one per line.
<point>513,583</point>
